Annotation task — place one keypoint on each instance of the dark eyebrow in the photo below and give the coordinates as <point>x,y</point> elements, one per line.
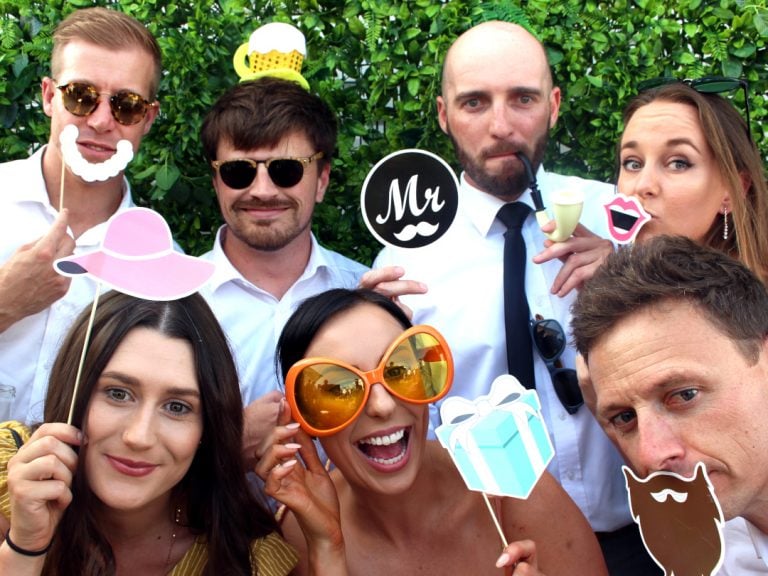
<point>632,144</point>
<point>131,381</point>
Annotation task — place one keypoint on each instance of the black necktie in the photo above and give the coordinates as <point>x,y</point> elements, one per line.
<point>516,313</point>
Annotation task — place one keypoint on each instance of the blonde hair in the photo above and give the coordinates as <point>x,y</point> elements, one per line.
<point>109,29</point>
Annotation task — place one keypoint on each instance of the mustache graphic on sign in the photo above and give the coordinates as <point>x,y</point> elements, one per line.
<point>409,198</point>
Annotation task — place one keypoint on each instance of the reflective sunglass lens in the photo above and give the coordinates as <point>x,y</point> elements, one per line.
<point>79,99</point>
<point>549,338</point>
<point>566,385</point>
<point>418,368</point>
<point>237,174</point>
<point>715,86</point>
<point>82,99</point>
<point>128,107</point>
<point>328,396</point>
<point>286,172</point>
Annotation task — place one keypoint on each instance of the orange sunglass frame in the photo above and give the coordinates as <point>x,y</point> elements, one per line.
<point>375,376</point>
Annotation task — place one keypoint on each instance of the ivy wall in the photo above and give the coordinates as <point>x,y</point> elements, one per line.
<point>377,63</point>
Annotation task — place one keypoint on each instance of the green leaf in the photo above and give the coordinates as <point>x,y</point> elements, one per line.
<point>413,86</point>
<point>167,175</point>
<point>595,81</point>
<point>19,64</point>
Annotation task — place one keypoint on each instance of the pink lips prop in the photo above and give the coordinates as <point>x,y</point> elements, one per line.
<point>626,216</point>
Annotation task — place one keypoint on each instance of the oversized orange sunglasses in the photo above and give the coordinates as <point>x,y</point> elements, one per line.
<point>327,395</point>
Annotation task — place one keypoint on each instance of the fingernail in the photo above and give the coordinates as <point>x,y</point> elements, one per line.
<point>289,463</point>
<point>293,425</point>
<point>292,446</point>
<point>503,560</point>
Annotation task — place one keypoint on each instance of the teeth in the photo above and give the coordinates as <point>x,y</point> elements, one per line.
<point>384,440</point>
<point>390,461</point>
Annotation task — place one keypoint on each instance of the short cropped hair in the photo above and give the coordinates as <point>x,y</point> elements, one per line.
<point>260,113</point>
<point>673,268</point>
<point>108,29</point>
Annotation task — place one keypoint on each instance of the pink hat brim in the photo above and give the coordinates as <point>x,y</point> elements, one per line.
<point>167,277</point>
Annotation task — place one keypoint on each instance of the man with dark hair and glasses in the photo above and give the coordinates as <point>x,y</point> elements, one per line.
<point>674,343</point>
<point>270,143</point>
<point>105,70</point>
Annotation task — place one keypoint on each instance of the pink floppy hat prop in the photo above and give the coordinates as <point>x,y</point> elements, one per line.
<point>137,258</point>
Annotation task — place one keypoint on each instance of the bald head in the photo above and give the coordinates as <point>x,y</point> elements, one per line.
<point>494,44</point>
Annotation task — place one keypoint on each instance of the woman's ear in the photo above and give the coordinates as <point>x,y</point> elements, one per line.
<point>725,206</point>
<point>746,183</point>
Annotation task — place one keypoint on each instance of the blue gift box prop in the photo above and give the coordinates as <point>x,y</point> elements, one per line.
<point>499,442</point>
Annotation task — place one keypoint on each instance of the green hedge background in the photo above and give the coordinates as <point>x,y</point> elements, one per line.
<point>377,64</point>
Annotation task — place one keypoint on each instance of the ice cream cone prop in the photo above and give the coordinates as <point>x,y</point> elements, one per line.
<point>137,258</point>
<point>275,49</point>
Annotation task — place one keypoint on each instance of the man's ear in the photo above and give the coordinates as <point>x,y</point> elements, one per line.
<point>323,179</point>
<point>48,91</point>
<point>149,119</point>
<point>442,114</point>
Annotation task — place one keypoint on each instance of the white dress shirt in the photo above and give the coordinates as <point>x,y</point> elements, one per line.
<point>746,549</point>
<point>253,318</point>
<point>29,347</point>
<point>464,274</point>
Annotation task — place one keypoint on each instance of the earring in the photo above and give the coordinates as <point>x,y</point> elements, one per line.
<point>725,223</point>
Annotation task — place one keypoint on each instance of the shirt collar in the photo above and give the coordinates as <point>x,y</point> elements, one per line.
<point>226,272</point>
<point>481,208</point>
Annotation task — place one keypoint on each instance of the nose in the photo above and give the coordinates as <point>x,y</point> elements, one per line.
<point>262,185</point>
<point>502,125</point>
<point>645,183</point>
<point>139,431</point>
<point>101,119</point>
<point>380,403</point>
<point>659,445</point>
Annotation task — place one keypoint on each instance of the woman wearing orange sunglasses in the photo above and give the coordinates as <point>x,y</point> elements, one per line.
<point>361,378</point>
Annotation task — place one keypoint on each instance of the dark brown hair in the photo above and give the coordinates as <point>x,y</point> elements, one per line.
<point>260,113</point>
<point>214,493</point>
<point>315,312</point>
<point>668,268</point>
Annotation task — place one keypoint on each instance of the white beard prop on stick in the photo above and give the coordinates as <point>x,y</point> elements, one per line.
<point>86,170</point>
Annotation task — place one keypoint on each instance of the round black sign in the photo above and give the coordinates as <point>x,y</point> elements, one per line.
<point>409,198</point>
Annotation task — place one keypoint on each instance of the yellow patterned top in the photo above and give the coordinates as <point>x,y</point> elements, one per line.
<point>274,556</point>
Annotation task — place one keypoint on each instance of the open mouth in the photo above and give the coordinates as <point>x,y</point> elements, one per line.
<point>386,450</point>
<point>626,217</point>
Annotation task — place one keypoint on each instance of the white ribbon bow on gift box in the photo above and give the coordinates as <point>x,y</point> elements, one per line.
<point>507,395</point>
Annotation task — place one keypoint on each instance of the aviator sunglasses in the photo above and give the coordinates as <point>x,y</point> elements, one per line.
<point>549,338</point>
<point>81,99</point>
<point>706,85</point>
<point>327,395</point>
<point>284,172</point>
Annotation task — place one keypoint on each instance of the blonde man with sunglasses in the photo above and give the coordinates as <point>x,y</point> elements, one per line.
<point>105,70</point>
